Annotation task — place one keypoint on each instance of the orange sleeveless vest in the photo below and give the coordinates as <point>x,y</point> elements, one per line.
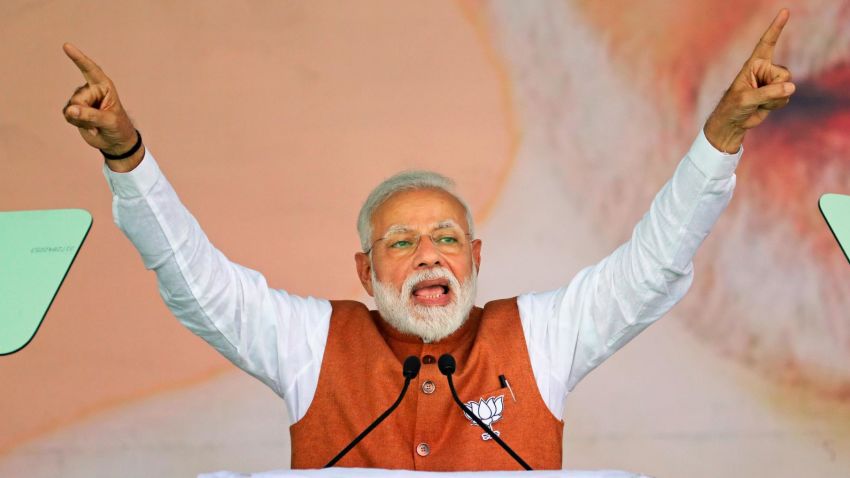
<point>361,377</point>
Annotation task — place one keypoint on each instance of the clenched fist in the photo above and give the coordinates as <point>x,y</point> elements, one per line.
<point>95,109</point>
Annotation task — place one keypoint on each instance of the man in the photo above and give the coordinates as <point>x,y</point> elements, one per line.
<point>337,364</point>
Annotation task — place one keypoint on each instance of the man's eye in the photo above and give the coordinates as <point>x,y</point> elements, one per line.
<point>401,244</point>
<point>446,240</point>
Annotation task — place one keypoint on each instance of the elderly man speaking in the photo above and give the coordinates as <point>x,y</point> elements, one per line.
<point>337,364</point>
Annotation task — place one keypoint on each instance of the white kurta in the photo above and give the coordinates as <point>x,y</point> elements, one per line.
<point>280,338</point>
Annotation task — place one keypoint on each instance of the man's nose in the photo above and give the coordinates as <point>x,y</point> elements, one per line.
<point>427,254</point>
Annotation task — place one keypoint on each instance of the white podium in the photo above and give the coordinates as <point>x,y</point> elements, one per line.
<point>380,473</point>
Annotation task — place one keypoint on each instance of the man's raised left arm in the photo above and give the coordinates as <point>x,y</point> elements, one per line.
<point>573,329</point>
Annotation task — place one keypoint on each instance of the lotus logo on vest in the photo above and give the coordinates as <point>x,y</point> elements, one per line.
<point>488,411</point>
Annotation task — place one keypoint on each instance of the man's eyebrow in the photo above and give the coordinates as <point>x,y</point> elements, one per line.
<point>446,224</point>
<point>402,228</point>
<point>398,228</point>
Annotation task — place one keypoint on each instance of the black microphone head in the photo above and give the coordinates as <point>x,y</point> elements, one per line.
<point>446,364</point>
<point>411,367</point>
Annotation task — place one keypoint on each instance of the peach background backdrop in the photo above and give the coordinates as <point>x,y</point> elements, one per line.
<point>558,119</point>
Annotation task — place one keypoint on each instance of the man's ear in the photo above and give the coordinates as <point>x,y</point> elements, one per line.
<point>364,271</point>
<point>476,254</point>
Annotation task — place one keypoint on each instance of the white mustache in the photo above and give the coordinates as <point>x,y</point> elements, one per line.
<point>430,323</point>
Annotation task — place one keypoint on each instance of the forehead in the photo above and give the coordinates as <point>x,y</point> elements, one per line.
<point>419,208</point>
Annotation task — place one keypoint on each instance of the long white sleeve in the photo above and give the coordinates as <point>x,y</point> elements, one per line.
<point>277,337</point>
<point>571,330</point>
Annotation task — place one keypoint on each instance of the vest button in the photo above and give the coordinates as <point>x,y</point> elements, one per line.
<point>428,387</point>
<point>428,359</point>
<point>423,449</point>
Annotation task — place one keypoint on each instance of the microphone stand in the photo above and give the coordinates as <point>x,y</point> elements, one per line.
<point>410,371</point>
<point>448,373</point>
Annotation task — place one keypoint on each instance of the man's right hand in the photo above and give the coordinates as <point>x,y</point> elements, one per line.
<point>96,111</point>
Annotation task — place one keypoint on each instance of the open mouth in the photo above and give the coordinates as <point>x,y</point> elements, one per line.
<point>432,292</point>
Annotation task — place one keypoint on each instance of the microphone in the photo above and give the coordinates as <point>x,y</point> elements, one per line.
<point>447,367</point>
<point>410,370</point>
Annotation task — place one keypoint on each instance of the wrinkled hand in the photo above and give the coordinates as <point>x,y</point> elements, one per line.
<point>759,88</point>
<point>96,111</point>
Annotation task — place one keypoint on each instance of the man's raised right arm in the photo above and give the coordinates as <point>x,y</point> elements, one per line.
<point>277,337</point>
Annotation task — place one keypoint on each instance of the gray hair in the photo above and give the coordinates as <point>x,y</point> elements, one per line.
<point>404,181</point>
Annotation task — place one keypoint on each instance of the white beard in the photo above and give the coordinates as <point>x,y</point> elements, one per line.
<point>430,323</point>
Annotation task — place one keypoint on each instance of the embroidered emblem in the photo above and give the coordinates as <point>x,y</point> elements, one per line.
<point>488,411</point>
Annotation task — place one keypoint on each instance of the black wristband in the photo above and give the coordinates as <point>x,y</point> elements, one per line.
<point>128,153</point>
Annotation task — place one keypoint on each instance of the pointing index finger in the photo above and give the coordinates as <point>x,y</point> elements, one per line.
<point>91,72</point>
<point>764,49</point>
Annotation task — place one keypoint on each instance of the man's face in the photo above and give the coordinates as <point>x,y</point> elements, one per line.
<point>607,133</point>
<point>423,262</point>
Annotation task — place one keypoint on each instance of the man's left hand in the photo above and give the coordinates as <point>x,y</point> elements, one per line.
<point>759,88</point>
